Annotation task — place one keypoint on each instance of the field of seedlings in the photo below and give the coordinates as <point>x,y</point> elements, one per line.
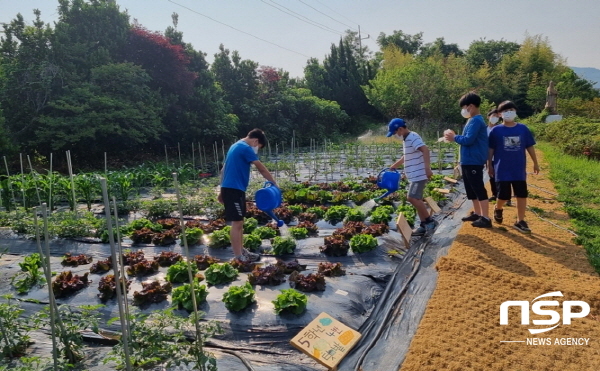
<point>144,252</point>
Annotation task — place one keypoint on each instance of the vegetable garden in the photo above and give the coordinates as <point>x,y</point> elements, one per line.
<point>336,254</point>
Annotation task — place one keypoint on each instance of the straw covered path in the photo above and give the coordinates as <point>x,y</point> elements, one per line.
<point>460,329</point>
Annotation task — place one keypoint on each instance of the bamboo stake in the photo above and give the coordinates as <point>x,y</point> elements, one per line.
<point>105,164</point>
<point>22,180</point>
<point>205,159</point>
<point>179,151</point>
<point>166,156</point>
<point>188,257</point>
<point>194,160</point>
<point>223,149</point>
<point>45,258</point>
<point>12,191</point>
<point>123,275</point>
<point>51,176</point>
<point>34,174</point>
<point>120,301</point>
<point>70,166</point>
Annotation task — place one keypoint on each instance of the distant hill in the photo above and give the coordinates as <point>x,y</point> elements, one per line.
<point>589,73</point>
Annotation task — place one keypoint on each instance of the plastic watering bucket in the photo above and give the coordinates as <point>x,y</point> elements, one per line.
<point>268,198</point>
<point>388,179</point>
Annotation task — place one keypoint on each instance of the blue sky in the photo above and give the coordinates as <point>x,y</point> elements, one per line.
<point>572,26</point>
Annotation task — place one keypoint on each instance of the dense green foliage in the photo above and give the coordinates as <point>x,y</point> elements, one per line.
<point>575,136</point>
<point>576,180</point>
<point>94,82</point>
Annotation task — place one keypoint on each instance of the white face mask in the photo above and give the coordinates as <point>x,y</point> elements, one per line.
<point>398,137</point>
<point>465,113</point>
<point>255,149</point>
<point>509,116</point>
<point>494,120</point>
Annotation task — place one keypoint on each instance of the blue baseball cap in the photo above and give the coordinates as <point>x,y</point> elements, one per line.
<point>394,125</point>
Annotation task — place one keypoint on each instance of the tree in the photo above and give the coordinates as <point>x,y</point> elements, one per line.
<point>29,74</point>
<point>489,51</point>
<point>440,47</point>
<point>204,116</point>
<point>420,88</point>
<point>407,43</point>
<point>115,111</point>
<point>165,62</point>
<point>339,78</point>
<point>88,35</point>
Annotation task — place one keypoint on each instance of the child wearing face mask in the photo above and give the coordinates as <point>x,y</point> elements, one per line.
<point>473,156</point>
<point>417,169</point>
<point>235,177</point>
<point>492,121</point>
<point>507,161</point>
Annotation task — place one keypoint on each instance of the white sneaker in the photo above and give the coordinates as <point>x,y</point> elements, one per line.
<point>247,255</point>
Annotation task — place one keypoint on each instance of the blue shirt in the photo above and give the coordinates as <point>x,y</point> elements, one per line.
<point>473,142</point>
<point>236,174</point>
<point>510,146</point>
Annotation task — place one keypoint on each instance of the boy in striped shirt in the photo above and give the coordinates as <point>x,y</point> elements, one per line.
<point>417,169</point>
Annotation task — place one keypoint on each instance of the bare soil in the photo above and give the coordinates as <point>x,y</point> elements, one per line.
<point>485,267</point>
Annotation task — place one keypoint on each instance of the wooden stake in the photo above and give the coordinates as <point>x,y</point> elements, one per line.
<point>188,257</point>
<point>47,271</point>
<point>22,180</point>
<point>123,275</point>
<point>34,174</point>
<point>116,271</point>
<point>432,205</point>
<point>404,229</point>
<point>450,180</point>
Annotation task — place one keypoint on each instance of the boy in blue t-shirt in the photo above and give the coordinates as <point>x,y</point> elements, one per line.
<point>235,177</point>
<point>473,156</point>
<point>507,162</point>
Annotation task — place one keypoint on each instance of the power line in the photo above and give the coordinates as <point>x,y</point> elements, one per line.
<point>341,15</point>
<point>297,15</point>
<point>238,30</point>
<point>318,11</point>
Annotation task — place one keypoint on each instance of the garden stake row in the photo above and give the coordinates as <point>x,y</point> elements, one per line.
<point>198,340</point>
<point>123,281</point>
<point>69,165</point>
<point>35,179</point>
<point>45,258</point>
<point>120,297</point>
<point>8,180</point>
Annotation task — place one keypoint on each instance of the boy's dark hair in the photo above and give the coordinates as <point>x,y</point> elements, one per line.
<point>258,134</point>
<point>469,98</point>
<point>506,105</point>
<point>492,112</point>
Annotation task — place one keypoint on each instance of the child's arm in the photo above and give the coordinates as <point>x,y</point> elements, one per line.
<point>490,165</point>
<point>536,167</point>
<point>264,171</point>
<point>470,136</point>
<point>397,163</point>
<point>426,161</point>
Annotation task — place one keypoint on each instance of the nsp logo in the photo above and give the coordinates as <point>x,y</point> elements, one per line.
<point>567,314</point>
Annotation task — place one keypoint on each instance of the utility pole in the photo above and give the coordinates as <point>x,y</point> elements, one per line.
<point>360,39</point>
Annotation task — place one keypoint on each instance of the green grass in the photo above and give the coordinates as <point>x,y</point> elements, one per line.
<point>576,180</point>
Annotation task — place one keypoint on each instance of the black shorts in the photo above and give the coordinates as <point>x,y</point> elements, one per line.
<point>473,177</point>
<point>519,189</point>
<point>234,201</point>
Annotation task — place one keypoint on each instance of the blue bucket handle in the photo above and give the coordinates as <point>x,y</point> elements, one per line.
<point>269,184</point>
<point>384,170</point>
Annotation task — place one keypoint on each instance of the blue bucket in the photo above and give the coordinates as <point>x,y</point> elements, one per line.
<point>269,198</point>
<point>388,179</point>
